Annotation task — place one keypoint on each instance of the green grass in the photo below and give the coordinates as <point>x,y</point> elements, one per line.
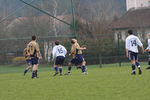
<point>107,83</point>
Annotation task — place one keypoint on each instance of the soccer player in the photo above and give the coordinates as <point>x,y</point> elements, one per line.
<point>77,58</point>
<point>35,55</point>
<point>28,60</point>
<point>59,52</point>
<point>131,45</point>
<point>148,50</point>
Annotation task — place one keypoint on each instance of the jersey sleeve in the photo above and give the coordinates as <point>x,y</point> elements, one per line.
<point>54,52</point>
<point>73,49</point>
<point>127,44</point>
<point>139,42</point>
<point>77,46</point>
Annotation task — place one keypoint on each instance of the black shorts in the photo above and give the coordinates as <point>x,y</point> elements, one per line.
<point>29,62</point>
<point>132,55</point>
<point>34,60</point>
<point>78,59</point>
<point>59,60</point>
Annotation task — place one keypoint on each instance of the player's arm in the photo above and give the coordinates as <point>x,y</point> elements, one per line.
<point>142,49</point>
<point>140,44</point>
<point>126,48</point>
<point>40,56</point>
<point>38,51</point>
<point>126,51</point>
<point>148,48</point>
<point>80,48</point>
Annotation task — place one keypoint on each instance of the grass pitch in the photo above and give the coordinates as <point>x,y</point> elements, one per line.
<point>107,83</point>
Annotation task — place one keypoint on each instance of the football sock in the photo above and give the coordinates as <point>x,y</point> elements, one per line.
<point>33,74</point>
<point>26,71</point>
<point>36,73</point>
<point>83,68</point>
<point>133,67</point>
<point>56,69</point>
<point>148,63</point>
<point>69,69</point>
<point>138,64</point>
<point>60,70</point>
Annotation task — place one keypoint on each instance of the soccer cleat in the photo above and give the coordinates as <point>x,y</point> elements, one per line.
<point>34,77</point>
<point>140,72</point>
<point>133,73</point>
<point>67,73</point>
<point>61,74</point>
<point>79,67</point>
<point>84,73</point>
<point>56,73</point>
<point>148,68</point>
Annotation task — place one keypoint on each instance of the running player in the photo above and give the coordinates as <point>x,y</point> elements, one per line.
<point>59,52</point>
<point>77,58</point>
<point>28,60</point>
<point>148,50</point>
<point>131,46</point>
<point>35,55</point>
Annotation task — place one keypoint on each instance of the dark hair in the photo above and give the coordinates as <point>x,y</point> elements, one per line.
<point>33,37</point>
<point>130,32</point>
<point>72,41</point>
<point>57,42</point>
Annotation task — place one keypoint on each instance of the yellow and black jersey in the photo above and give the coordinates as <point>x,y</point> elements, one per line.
<point>75,49</point>
<point>33,49</point>
<point>26,54</point>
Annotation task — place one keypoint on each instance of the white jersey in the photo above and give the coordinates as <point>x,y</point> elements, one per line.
<point>148,47</point>
<point>132,43</point>
<point>59,50</point>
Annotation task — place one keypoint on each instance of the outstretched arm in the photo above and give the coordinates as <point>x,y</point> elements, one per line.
<point>127,53</point>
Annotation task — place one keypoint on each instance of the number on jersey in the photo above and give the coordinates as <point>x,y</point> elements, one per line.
<point>60,50</point>
<point>133,43</point>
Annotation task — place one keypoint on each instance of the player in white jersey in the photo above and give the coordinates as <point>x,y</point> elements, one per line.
<point>59,52</point>
<point>148,50</point>
<point>131,45</point>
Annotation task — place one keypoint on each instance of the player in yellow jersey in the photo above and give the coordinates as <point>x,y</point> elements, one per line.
<point>35,55</point>
<point>77,58</point>
<point>28,60</point>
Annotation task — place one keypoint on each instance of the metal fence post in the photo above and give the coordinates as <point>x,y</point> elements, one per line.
<point>119,37</point>
<point>100,61</point>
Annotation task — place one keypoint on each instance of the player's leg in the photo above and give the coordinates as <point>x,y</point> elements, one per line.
<point>70,64</point>
<point>132,59</point>
<point>138,64</point>
<point>56,70</point>
<point>34,71</point>
<point>35,67</point>
<point>133,67</point>
<point>60,70</point>
<point>79,66</point>
<point>27,69</point>
<point>62,59</point>
<point>84,69</point>
<point>56,66</point>
<point>69,68</point>
<point>82,62</point>
<point>29,63</point>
